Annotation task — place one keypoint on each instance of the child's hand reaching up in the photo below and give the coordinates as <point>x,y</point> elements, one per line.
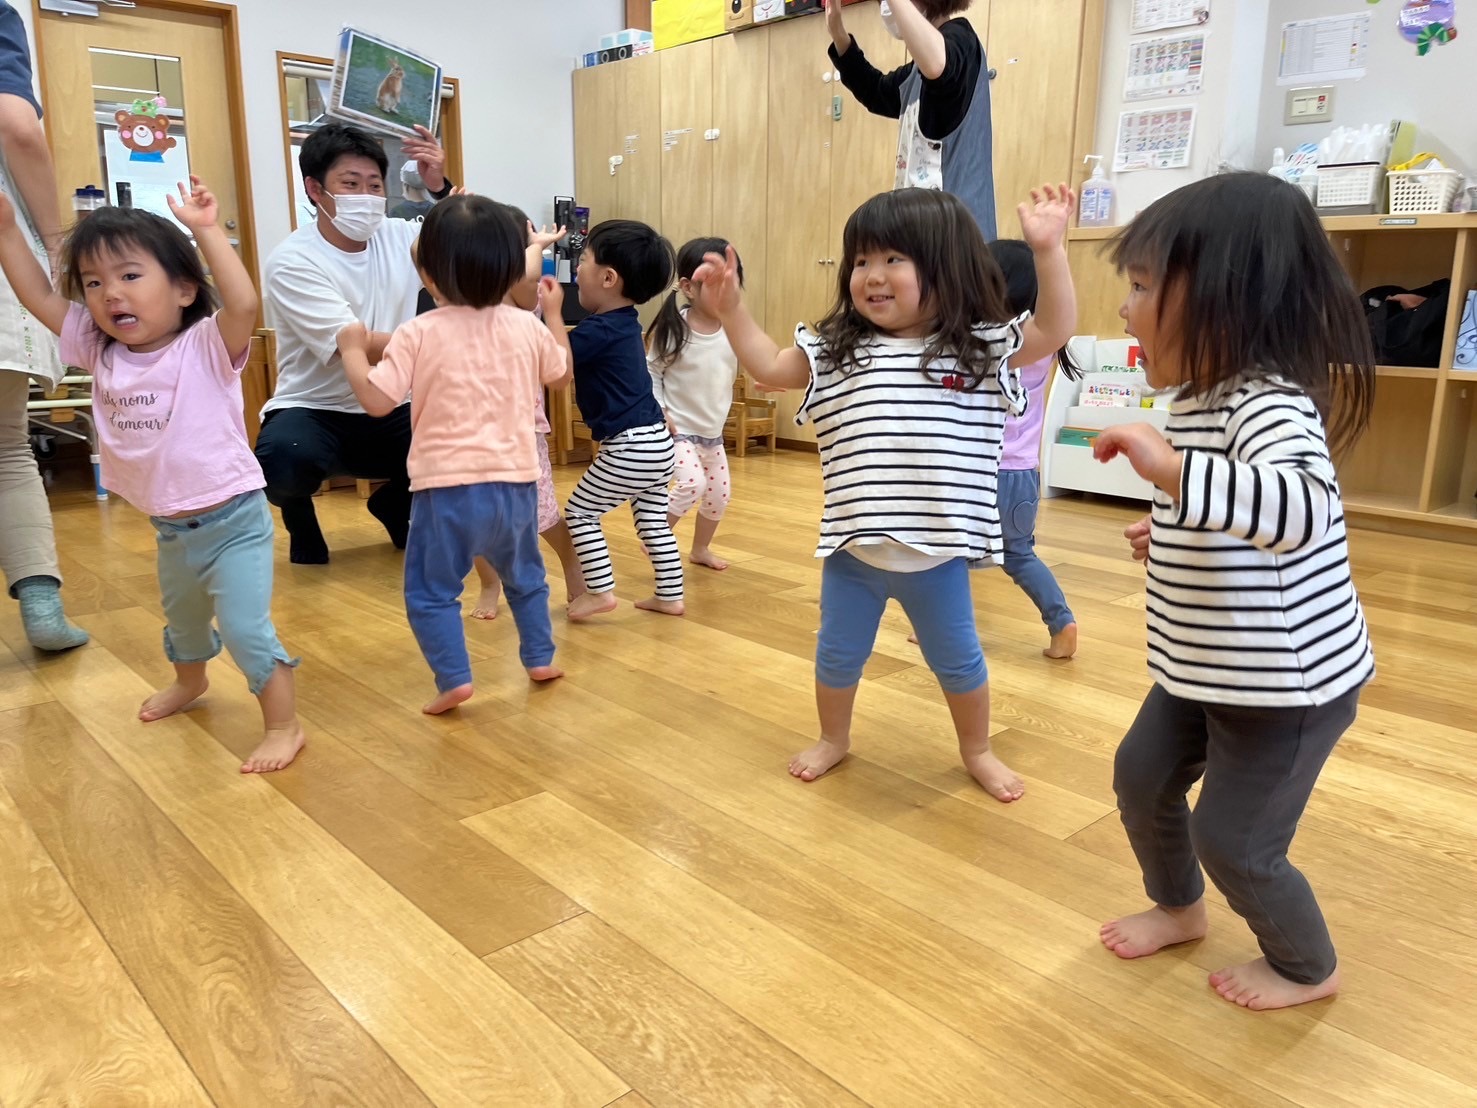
<point>543,237</point>
<point>719,276</point>
<point>1044,220</point>
<point>196,209</point>
<point>1147,451</point>
<point>551,299</point>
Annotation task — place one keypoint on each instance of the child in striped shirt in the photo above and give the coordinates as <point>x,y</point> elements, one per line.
<point>1257,640</point>
<point>909,379</point>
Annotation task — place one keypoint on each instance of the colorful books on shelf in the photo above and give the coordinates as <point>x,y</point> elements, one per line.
<point>1077,436</point>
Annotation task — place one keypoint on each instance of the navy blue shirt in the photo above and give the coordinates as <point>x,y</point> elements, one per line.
<point>612,385</point>
<point>15,57</point>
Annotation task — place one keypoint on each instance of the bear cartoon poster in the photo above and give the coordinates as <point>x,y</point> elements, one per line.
<point>147,151</point>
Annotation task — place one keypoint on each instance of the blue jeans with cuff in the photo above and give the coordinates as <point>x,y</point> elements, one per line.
<point>218,565</point>
<point>448,527</point>
<point>937,601</point>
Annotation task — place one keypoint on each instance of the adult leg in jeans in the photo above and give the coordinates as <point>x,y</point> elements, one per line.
<point>1018,493</point>
<point>376,449</point>
<point>27,545</point>
<point>298,448</point>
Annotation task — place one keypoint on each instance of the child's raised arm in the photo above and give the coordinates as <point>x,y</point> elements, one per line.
<point>31,283</point>
<point>197,209</point>
<point>1044,227</point>
<point>759,354</point>
<point>551,297</point>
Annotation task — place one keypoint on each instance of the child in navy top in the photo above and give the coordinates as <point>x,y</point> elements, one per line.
<point>624,264</point>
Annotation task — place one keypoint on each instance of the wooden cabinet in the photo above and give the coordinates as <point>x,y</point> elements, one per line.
<point>617,136</point>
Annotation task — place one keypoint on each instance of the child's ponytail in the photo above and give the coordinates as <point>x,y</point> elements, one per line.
<point>668,334</point>
<point>1019,266</point>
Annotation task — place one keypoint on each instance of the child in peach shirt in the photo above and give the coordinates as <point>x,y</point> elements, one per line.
<point>474,369</point>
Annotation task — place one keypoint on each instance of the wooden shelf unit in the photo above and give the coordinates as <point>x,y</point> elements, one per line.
<point>1415,469</point>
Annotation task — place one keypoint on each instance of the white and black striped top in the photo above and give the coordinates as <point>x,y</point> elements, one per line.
<point>1250,600</point>
<point>907,455</point>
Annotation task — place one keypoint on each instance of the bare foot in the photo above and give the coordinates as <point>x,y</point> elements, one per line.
<point>448,700</point>
<point>665,607</point>
<point>912,638</point>
<point>166,702</point>
<point>815,760</point>
<point>1146,933</point>
<point>277,750</point>
<point>1257,986</point>
<point>706,557</point>
<point>544,673</point>
<point>1063,643</point>
<point>486,606</point>
<point>589,604</point>
<point>993,775</point>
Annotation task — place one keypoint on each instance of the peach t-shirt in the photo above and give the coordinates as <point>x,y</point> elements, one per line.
<point>475,378</point>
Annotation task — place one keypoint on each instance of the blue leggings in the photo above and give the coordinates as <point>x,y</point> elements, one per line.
<point>448,526</point>
<point>937,601</point>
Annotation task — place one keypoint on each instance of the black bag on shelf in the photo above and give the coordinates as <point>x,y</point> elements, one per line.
<point>1408,336</point>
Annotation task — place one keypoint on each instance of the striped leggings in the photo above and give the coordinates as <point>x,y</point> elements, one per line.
<point>636,466</point>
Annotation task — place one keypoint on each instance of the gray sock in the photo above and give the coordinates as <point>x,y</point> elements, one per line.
<point>47,626</point>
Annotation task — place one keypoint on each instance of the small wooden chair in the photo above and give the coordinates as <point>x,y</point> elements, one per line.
<point>751,417</point>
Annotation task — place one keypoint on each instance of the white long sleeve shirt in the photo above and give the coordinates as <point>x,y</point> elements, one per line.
<point>1250,600</point>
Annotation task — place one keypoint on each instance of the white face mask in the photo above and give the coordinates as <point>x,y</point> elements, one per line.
<point>890,21</point>
<point>359,215</point>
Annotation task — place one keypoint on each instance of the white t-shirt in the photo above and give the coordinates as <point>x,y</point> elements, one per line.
<point>313,290</point>
<point>696,390</point>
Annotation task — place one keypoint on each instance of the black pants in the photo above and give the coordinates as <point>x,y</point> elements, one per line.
<point>299,448</point>
<point>1259,766</point>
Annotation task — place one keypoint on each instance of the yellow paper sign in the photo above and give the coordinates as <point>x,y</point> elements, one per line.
<point>674,22</point>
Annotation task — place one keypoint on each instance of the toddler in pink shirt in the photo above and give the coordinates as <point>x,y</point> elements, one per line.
<point>474,369</point>
<point>166,371</point>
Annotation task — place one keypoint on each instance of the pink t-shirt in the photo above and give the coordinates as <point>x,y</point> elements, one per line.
<point>475,379</point>
<point>1023,432</point>
<point>170,427</point>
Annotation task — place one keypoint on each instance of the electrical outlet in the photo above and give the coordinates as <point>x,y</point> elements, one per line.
<point>1308,105</point>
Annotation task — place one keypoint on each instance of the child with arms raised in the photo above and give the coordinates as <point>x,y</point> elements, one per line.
<point>624,264</point>
<point>693,369</point>
<point>909,382</point>
<point>474,369</point>
<point>166,370</point>
<point>1257,641</point>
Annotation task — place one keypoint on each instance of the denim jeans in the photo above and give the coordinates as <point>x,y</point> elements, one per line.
<point>1017,493</point>
<point>219,565</point>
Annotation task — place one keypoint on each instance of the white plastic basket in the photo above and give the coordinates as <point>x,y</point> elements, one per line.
<point>1423,190</point>
<point>1350,186</point>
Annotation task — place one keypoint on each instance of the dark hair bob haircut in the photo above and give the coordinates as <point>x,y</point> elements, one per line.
<point>668,335</point>
<point>1258,291</point>
<point>111,230</point>
<point>473,250</point>
<point>957,276</point>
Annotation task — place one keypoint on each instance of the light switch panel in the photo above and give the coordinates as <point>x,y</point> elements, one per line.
<point>1309,105</point>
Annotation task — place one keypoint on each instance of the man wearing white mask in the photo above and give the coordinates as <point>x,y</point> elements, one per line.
<point>941,99</point>
<point>348,264</point>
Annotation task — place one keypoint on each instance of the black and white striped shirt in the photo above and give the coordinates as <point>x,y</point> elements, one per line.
<point>1250,600</point>
<point>907,455</point>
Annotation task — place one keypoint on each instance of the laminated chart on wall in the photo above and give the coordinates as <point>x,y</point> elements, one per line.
<point>1161,15</point>
<point>1154,139</point>
<point>1318,50</point>
<point>1171,65</point>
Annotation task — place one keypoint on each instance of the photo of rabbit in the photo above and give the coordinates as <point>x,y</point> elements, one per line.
<point>384,86</point>
<point>392,87</point>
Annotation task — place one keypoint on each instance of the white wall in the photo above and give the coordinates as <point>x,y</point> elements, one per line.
<point>1434,92</point>
<point>512,57</point>
<point>1226,111</point>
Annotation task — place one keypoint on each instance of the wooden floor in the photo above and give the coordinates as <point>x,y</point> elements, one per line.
<point>608,891</point>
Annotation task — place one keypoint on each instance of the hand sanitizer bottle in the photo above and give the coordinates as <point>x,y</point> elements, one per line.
<point>1096,206</point>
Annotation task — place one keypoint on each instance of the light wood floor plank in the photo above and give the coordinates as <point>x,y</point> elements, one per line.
<point>73,1028</point>
<point>660,1032</point>
<point>861,1036</point>
<point>252,1021</point>
<point>452,1025</point>
<point>964,981</point>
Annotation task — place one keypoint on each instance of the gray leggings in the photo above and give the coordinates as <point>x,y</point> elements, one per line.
<point>1259,766</point>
